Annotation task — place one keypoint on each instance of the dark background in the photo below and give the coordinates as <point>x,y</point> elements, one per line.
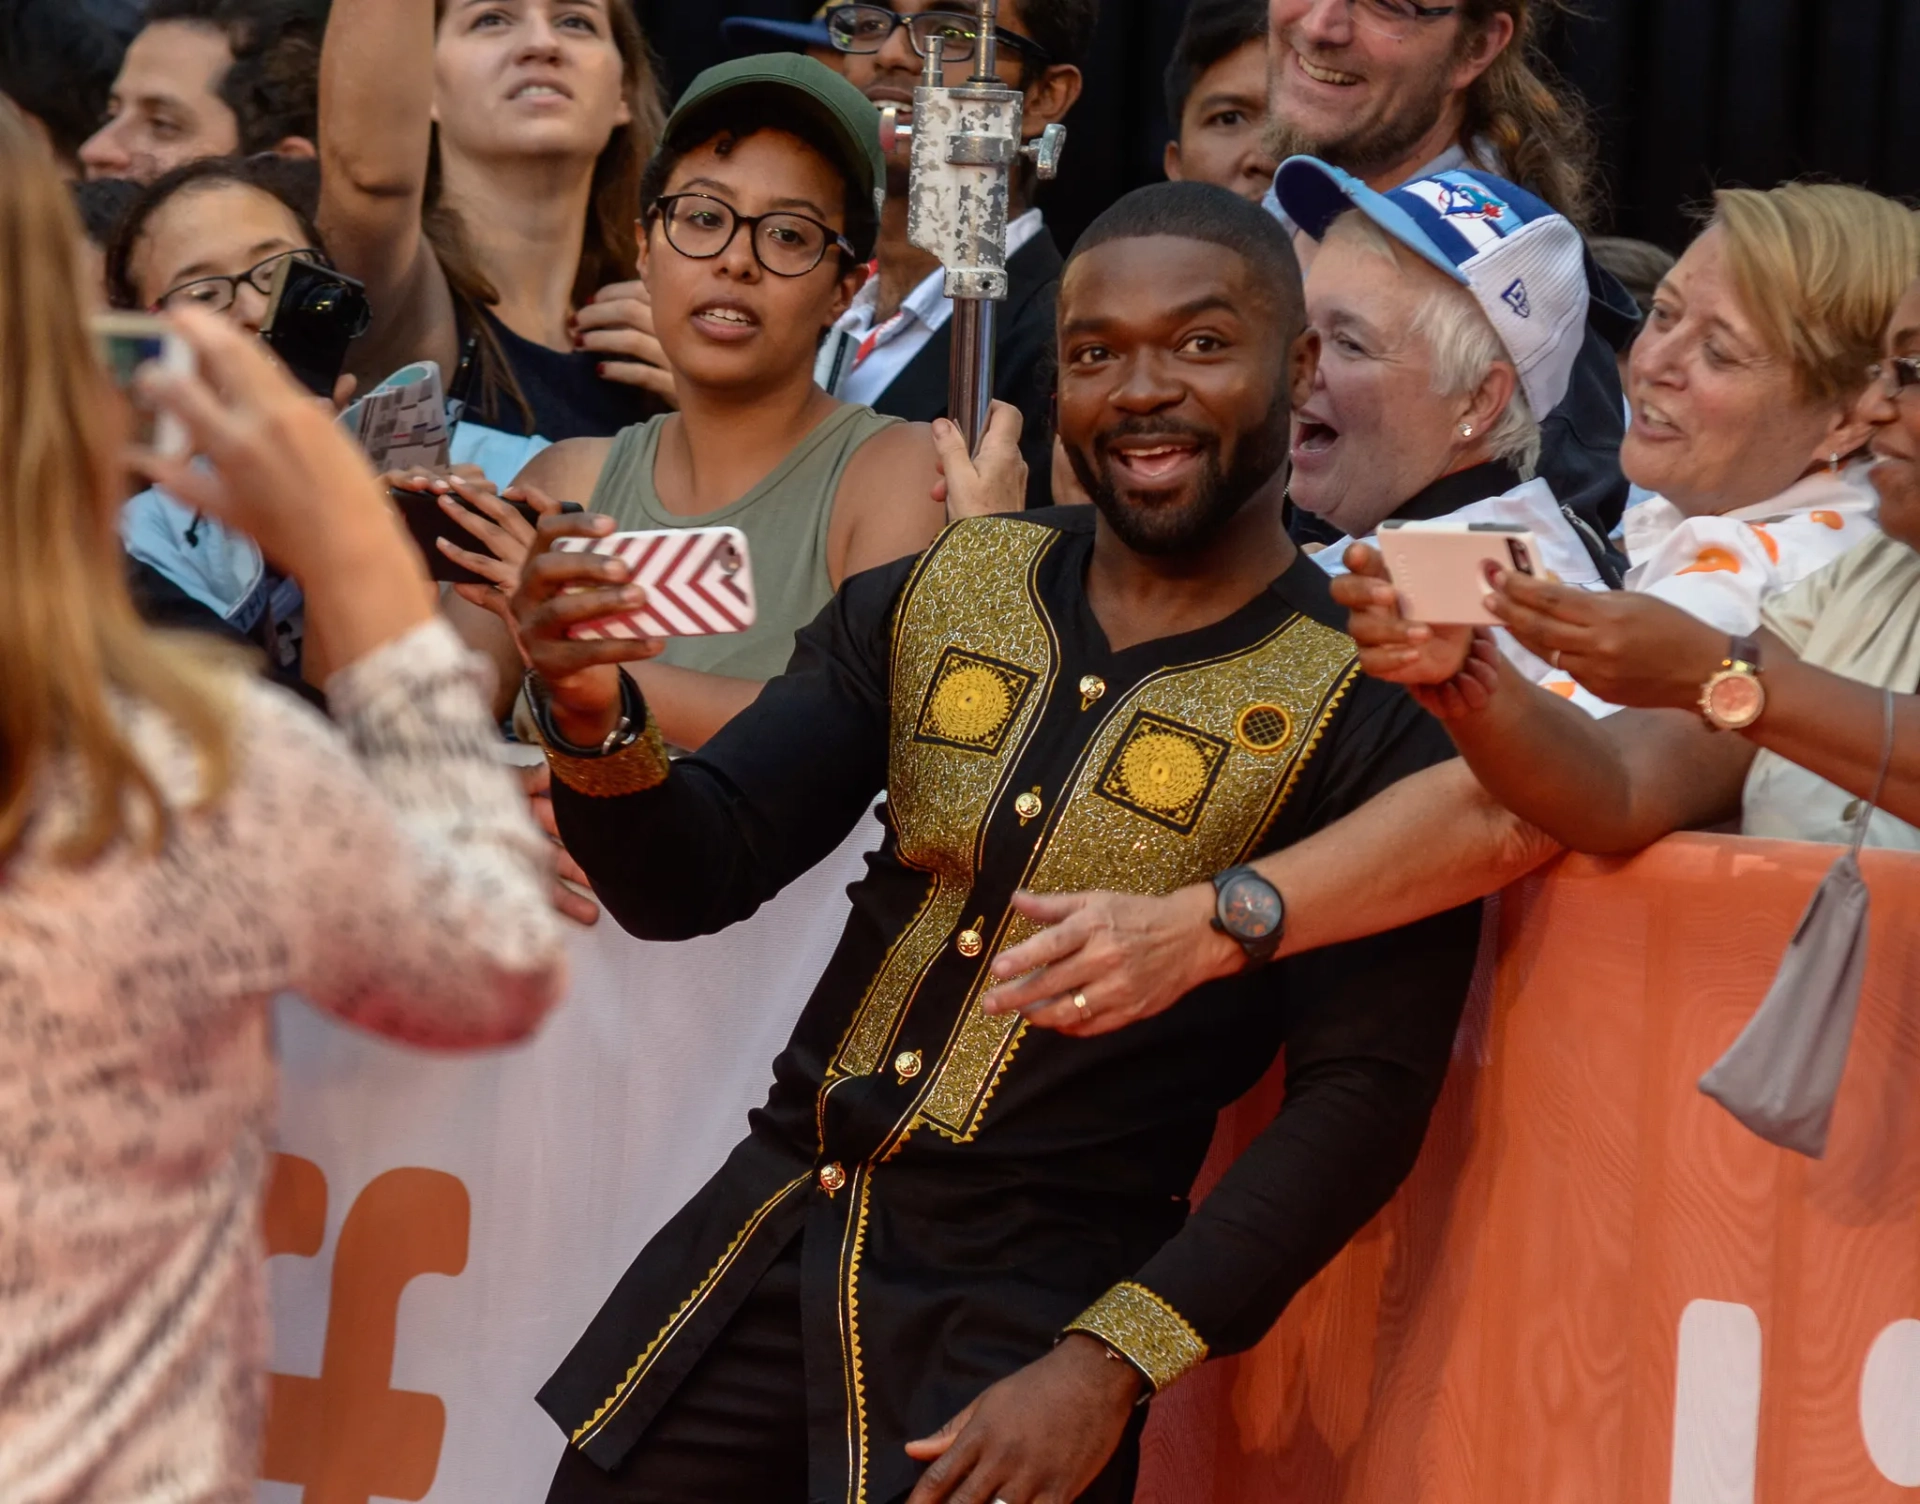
<point>1687,95</point>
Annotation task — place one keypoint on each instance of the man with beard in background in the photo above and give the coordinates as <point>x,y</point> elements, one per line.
<point>1391,91</point>
<point>953,1252</point>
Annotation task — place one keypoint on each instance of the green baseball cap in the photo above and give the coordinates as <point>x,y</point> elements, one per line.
<point>849,117</point>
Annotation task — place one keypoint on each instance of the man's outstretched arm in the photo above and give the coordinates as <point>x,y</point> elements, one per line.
<point>688,848</point>
<point>1429,843</point>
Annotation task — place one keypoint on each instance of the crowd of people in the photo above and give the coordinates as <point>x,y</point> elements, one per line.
<point>1172,779</point>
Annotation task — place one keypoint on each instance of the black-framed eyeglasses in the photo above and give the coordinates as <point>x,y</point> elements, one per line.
<point>216,294</point>
<point>1896,377</point>
<point>866,28</point>
<point>1395,19</point>
<point>699,226</point>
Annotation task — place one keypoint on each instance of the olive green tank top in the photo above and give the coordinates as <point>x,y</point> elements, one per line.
<point>786,519</point>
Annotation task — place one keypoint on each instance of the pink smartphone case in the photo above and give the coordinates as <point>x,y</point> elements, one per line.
<point>698,581</point>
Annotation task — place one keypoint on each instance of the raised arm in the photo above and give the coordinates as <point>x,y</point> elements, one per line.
<point>376,132</point>
<point>688,848</point>
<point>1647,653</point>
<point>406,850</point>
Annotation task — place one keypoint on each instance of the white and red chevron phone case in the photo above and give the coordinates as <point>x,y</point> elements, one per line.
<point>699,581</point>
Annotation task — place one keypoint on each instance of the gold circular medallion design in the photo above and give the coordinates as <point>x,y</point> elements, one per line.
<point>971,704</point>
<point>1263,728</point>
<point>1162,772</point>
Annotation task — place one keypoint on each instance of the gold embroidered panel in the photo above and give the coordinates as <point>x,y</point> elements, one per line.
<point>969,629</point>
<point>1167,793</point>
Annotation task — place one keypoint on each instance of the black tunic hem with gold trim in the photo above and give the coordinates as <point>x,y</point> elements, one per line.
<point>967,1188</point>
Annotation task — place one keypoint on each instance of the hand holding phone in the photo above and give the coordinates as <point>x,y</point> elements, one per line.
<point>473,522</point>
<point>1443,570</point>
<point>129,342</point>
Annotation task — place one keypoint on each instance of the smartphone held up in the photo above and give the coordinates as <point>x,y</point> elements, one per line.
<point>127,344</point>
<point>699,582</point>
<point>1444,570</point>
<point>313,314</point>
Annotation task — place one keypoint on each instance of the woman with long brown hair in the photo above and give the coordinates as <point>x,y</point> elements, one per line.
<point>180,842</point>
<point>482,164</point>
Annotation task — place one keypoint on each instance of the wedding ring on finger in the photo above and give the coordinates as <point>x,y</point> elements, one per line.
<point>1080,1002</point>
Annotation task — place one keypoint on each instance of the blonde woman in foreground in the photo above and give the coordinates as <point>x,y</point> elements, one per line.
<point>178,843</point>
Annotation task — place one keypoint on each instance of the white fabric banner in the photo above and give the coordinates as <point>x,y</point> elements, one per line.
<point>469,1214</point>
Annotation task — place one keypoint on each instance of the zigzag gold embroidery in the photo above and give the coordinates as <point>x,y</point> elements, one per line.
<point>970,629</point>
<point>612,1405</point>
<point>1208,818</point>
<point>850,1345</point>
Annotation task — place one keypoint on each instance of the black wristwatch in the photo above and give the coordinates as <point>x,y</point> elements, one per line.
<point>631,726</point>
<point>1250,910</point>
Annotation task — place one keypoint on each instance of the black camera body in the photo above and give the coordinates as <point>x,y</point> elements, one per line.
<point>313,314</point>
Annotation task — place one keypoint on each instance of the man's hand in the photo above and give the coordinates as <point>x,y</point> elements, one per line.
<point>992,481</point>
<point>1628,649</point>
<point>561,591</point>
<point>1039,1436</point>
<point>618,326</point>
<point>1129,957</point>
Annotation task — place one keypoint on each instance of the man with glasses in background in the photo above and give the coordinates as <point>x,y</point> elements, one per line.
<point>891,349</point>
<point>1394,90</point>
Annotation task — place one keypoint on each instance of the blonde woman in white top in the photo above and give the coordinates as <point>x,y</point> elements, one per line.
<point>180,843</point>
<point>1745,390</point>
<point>1784,731</point>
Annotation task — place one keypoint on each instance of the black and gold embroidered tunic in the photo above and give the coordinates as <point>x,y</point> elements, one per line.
<point>966,1188</point>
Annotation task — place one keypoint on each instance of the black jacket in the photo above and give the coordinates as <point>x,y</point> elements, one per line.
<point>965,1187</point>
<point>1023,363</point>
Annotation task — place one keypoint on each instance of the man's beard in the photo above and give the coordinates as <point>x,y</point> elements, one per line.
<point>1370,145</point>
<point>1169,529</point>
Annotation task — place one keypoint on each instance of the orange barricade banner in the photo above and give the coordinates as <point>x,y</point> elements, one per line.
<point>1597,1286</point>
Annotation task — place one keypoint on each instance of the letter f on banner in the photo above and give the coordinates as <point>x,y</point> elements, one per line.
<point>348,1435</point>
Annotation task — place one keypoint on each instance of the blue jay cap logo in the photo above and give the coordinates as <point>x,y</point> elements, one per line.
<point>1515,297</point>
<point>1459,199</point>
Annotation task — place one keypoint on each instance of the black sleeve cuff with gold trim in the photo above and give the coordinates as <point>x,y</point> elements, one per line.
<point>1145,1330</point>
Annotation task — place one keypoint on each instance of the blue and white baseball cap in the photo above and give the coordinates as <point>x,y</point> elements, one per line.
<point>1524,263</point>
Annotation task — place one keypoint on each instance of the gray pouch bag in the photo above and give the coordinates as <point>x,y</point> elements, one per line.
<point>1780,1077</point>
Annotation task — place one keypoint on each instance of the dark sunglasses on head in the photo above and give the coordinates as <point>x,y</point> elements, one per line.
<point>866,28</point>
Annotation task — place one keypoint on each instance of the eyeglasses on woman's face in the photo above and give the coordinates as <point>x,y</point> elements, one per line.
<point>216,294</point>
<point>700,226</point>
<point>866,28</point>
<point>1896,377</point>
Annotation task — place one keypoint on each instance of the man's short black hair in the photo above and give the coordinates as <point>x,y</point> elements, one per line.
<point>1063,27</point>
<point>738,115</point>
<point>273,85</point>
<point>1202,211</point>
<point>1212,30</point>
<point>58,64</point>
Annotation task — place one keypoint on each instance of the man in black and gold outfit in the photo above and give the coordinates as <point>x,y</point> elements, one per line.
<point>949,1238</point>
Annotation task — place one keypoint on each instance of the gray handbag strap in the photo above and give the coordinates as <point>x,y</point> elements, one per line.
<point>1880,781</point>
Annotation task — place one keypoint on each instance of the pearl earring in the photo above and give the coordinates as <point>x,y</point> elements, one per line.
<point>1466,430</point>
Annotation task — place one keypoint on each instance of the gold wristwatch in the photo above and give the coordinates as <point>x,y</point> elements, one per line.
<point>1734,698</point>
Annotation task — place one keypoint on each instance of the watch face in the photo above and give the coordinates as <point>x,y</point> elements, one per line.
<point>1736,700</point>
<point>1249,908</point>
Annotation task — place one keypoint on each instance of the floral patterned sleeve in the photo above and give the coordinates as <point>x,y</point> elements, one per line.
<point>419,879</point>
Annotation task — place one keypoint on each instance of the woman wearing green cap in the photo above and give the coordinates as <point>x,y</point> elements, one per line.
<point>757,219</point>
